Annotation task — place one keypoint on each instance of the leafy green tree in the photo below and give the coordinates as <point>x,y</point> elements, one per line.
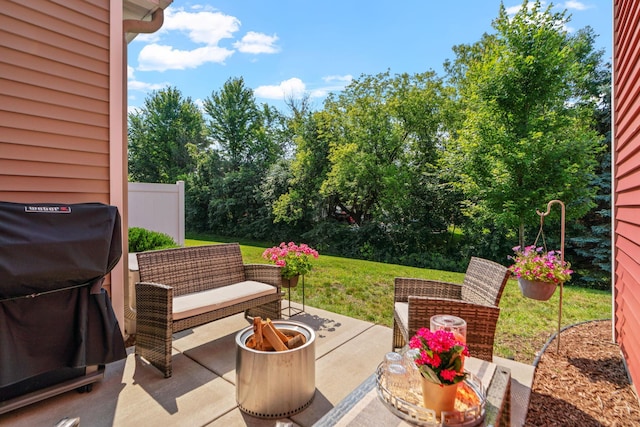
<point>233,120</point>
<point>528,131</point>
<point>164,137</point>
<point>590,238</point>
<point>199,187</point>
<point>372,153</point>
<point>247,140</point>
<point>382,131</point>
<point>301,202</point>
<point>240,128</point>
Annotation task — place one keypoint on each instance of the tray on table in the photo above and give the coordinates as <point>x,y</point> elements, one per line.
<point>469,410</point>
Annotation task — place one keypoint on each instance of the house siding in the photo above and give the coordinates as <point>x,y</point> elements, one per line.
<point>54,101</point>
<point>55,76</point>
<point>626,89</point>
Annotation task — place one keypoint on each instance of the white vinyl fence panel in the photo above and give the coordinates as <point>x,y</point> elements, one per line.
<point>158,207</point>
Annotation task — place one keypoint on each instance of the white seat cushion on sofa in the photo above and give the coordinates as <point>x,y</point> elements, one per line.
<point>202,302</point>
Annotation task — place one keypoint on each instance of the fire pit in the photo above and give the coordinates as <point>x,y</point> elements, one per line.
<point>276,384</point>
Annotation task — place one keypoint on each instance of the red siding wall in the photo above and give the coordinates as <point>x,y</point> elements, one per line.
<point>626,89</point>
<point>54,101</point>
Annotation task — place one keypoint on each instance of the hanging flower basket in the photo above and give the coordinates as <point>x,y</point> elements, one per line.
<point>537,290</point>
<point>539,271</point>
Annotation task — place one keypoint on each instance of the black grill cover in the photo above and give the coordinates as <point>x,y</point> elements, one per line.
<point>47,246</point>
<point>54,313</point>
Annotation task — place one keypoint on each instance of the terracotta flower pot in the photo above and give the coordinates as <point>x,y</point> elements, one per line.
<point>290,283</point>
<point>540,291</point>
<point>439,397</point>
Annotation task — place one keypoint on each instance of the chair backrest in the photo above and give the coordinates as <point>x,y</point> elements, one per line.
<point>484,282</point>
<point>194,268</point>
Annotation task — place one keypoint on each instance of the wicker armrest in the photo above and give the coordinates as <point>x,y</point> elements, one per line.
<point>154,297</point>
<point>404,287</point>
<point>264,273</point>
<point>481,321</point>
<point>154,324</point>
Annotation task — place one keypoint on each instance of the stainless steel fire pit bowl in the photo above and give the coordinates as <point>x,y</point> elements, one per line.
<point>276,384</point>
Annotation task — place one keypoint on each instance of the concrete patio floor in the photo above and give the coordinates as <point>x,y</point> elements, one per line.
<point>201,391</point>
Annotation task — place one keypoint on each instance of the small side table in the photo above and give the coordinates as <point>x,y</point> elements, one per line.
<point>292,283</point>
<point>363,407</point>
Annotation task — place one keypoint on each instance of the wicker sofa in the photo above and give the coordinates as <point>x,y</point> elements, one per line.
<point>186,287</point>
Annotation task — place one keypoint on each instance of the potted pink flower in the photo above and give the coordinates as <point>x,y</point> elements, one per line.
<point>441,364</point>
<point>294,259</point>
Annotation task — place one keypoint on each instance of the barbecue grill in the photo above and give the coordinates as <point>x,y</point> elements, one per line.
<point>57,326</point>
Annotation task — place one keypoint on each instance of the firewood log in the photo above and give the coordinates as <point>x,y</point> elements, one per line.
<point>296,341</point>
<point>282,336</point>
<point>257,333</point>
<point>271,337</point>
<point>251,342</point>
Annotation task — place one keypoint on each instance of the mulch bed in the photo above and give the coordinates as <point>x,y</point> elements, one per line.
<point>585,384</point>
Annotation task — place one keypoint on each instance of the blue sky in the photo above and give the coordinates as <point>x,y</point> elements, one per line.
<point>315,47</point>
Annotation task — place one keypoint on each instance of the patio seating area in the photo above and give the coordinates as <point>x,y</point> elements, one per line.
<point>201,391</point>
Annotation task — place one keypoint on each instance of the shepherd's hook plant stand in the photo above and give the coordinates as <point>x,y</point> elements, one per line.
<point>562,213</point>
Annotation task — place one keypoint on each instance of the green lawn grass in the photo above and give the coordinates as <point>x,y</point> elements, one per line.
<point>364,290</point>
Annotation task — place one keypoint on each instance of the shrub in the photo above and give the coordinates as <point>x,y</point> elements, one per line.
<point>141,239</point>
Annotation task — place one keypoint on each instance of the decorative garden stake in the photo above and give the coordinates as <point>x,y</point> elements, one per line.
<point>542,215</point>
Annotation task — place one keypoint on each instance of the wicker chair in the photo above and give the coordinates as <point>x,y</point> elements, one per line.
<point>476,301</point>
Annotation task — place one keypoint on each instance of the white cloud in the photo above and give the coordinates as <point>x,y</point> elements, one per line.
<point>334,84</point>
<point>296,88</point>
<point>576,5</point>
<point>147,37</point>
<point>293,87</point>
<point>199,103</point>
<point>319,93</point>
<point>255,43</point>
<point>206,27</point>
<point>569,5</point>
<point>137,85</point>
<point>512,10</point>
<point>155,57</point>
<point>346,79</point>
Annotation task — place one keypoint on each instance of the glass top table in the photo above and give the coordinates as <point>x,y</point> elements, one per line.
<point>363,406</point>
